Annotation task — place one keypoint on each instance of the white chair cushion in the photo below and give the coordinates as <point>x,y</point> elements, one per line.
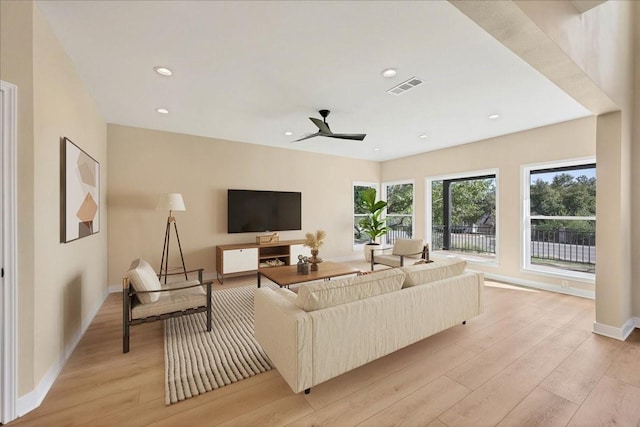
<point>321,295</point>
<point>410,247</point>
<point>439,269</point>
<point>390,260</point>
<point>169,302</point>
<point>143,278</point>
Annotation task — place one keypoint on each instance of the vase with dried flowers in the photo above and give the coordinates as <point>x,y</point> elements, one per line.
<point>314,241</point>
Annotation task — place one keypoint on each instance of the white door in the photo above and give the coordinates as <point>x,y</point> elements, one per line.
<point>2,133</point>
<point>8,252</point>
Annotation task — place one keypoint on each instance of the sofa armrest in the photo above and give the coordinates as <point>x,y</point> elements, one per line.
<point>284,332</point>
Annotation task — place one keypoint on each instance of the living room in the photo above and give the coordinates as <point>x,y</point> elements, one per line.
<point>61,287</point>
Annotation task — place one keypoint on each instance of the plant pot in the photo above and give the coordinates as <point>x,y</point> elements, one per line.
<point>367,250</point>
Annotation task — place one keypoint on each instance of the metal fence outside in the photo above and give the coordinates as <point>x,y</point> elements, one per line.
<point>564,245</point>
<point>397,232</point>
<point>560,245</point>
<point>479,239</point>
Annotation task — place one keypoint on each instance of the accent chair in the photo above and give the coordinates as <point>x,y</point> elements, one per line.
<point>404,250</point>
<point>146,300</point>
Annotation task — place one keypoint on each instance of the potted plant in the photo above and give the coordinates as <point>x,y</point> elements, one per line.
<point>372,225</point>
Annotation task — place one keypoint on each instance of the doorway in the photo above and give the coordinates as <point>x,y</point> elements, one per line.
<point>8,252</point>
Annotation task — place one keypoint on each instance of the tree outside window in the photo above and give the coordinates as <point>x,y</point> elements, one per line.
<point>562,218</point>
<point>463,214</point>
<point>399,197</point>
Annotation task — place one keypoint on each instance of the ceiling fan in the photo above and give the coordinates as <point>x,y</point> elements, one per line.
<point>324,130</point>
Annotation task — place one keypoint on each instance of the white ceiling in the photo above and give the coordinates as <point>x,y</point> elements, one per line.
<point>249,71</point>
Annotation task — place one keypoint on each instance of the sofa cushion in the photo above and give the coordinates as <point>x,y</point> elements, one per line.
<point>437,270</point>
<point>410,247</point>
<point>287,294</point>
<point>143,278</point>
<point>321,295</point>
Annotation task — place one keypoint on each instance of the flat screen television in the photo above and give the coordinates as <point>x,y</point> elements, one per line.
<point>258,211</point>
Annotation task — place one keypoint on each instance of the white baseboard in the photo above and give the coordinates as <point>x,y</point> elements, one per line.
<point>539,285</point>
<point>617,333</point>
<point>34,398</point>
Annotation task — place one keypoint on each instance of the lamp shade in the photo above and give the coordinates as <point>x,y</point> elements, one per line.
<point>171,202</point>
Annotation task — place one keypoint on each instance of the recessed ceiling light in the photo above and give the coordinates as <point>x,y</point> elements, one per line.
<point>163,71</point>
<point>376,149</point>
<point>288,133</point>
<point>494,116</point>
<point>389,72</point>
<point>423,136</point>
<point>162,110</point>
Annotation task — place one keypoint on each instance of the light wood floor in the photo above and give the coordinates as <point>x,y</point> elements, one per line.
<point>530,359</point>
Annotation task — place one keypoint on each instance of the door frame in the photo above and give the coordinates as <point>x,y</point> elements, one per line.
<point>9,299</point>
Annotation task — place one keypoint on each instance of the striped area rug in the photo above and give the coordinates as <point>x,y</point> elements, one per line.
<point>197,361</point>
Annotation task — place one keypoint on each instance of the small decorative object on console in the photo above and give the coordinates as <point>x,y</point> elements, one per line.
<point>314,241</point>
<point>268,238</point>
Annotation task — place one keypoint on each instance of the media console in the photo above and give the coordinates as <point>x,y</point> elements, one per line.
<point>246,258</point>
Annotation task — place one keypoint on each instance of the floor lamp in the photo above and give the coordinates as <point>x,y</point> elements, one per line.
<point>171,202</point>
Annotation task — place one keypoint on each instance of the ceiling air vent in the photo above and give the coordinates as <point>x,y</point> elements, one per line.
<point>405,86</point>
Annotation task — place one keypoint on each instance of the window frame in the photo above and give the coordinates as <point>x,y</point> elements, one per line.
<point>428,217</point>
<point>354,184</point>
<point>411,181</point>
<point>525,225</point>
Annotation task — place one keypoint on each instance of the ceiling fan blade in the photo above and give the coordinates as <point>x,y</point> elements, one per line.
<point>311,135</point>
<point>324,128</point>
<point>352,136</point>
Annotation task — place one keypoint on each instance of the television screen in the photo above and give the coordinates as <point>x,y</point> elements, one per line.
<point>258,211</point>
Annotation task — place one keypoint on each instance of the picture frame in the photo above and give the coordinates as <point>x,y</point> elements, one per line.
<point>80,193</point>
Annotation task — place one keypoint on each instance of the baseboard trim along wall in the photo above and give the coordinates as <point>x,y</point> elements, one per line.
<point>30,401</point>
<point>617,333</point>
<point>539,285</point>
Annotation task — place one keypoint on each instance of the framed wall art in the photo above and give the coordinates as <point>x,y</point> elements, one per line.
<point>80,190</point>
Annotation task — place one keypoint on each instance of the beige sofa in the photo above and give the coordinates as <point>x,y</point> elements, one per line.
<point>329,328</point>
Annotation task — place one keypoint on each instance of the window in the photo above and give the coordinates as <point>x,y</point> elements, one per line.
<point>359,238</point>
<point>399,198</point>
<point>560,218</point>
<point>463,214</point>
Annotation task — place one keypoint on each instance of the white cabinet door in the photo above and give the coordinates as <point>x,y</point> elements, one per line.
<point>237,260</point>
<point>296,250</point>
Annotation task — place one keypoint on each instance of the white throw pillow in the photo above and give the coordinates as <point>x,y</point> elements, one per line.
<point>143,278</point>
<point>320,295</point>
<point>437,270</point>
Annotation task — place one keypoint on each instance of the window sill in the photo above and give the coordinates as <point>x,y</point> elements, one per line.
<point>474,259</point>
<point>575,276</point>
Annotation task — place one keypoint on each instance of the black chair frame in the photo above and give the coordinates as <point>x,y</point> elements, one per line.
<point>129,294</point>
<point>424,255</point>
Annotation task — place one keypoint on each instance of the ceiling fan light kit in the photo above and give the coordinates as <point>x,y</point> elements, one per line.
<point>325,130</point>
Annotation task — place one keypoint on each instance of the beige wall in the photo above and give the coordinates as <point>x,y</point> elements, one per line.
<point>590,56</point>
<point>143,164</point>
<point>506,154</point>
<point>70,279</point>
<point>600,42</point>
<point>16,66</point>
<point>58,285</point>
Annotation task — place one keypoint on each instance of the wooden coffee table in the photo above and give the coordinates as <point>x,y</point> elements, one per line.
<point>288,274</point>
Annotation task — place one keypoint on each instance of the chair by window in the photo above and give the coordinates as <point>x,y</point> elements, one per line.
<point>404,250</point>
<point>146,300</point>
